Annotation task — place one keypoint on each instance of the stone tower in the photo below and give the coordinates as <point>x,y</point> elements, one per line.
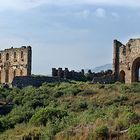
<point>15,62</point>
<point>126,61</point>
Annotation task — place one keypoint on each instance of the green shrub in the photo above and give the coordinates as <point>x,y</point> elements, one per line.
<point>102,131</point>
<point>71,91</point>
<point>83,105</point>
<point>125,88</point>
<point>125,119</point>
<point>100,86</point>
<point>133,88</point>
<point>17,115</point>
<point>111,87</point>
<point>45,115</point>
<point>121,98</point>
<point>134,132</point>
<point>58,94</point>
<point>87,92</point>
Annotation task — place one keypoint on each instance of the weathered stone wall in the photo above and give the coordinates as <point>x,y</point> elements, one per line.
<point>15,62</point>
<point>36,81</point>
<point>126,61</point>
<point>106,79</point>
<point>66,74</point>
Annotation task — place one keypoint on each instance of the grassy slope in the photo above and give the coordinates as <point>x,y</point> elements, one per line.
<point>71,111</point>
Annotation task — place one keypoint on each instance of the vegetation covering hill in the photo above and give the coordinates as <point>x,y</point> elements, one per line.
<point>71,111</point>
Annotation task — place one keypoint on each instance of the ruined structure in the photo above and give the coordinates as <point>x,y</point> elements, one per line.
<point>36,81</point>
<point>103,77</point>
<point>126,61</point>
<point>66,74</point>
<point>15,62</point>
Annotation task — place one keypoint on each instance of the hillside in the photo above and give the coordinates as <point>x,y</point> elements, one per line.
<point>101,68</point>
<point>71,111</point>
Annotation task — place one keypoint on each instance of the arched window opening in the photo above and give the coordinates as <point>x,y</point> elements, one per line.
<point>14,73</point>
<point>15,55</point>
<point>136,70</point>
<point>21,72</point>
<point>0,76</point>
<point>7,76</point>
<point>122,76</point>
<point>7,56</point>
<point>21,54</point>
<point>139,74</point>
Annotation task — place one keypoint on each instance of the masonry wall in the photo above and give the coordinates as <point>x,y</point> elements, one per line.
<point>106,79</point>
<point>15,62</point>
<point>36,81</point>
<point>126,62</point>
<point>66,74</point>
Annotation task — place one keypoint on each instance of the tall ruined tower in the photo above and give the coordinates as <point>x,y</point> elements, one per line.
<point>116,55</point>
<point>15,62</point>
<point>126,61</point>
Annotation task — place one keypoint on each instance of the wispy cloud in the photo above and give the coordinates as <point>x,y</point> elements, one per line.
<point>27,4</point>
<point>84,13</point>
<point>20,4</point>
<point>100,12</point>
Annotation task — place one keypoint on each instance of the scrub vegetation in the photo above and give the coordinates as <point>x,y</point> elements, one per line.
<point>71,111</point>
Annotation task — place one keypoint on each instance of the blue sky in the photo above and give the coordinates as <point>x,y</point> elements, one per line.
<point>68,33</point>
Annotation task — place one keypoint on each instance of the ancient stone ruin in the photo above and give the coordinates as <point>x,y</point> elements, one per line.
<point>66,74</point>
<point>103,77</point>
<point>35,81</point>
<point>15,62</point>
<point>126,61</point>
<point>15,67</point>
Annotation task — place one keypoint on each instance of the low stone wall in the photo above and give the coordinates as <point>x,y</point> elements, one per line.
<point>66,74</point>
<point>107,79</point>
<point>36,81</point>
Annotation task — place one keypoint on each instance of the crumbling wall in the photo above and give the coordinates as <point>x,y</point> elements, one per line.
<point>66,74</point>
<point>107,79</point>
<point>36,81</point>
<point>15,62</point>
<point>126,61</point>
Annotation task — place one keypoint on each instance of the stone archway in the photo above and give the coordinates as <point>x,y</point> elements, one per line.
<point>0,76</point>
<point>7,76</point>
<point>122,76</point>
<point>135,70</point>
<point>127,58</point>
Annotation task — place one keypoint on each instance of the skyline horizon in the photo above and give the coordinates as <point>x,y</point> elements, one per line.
<point>75,34</point>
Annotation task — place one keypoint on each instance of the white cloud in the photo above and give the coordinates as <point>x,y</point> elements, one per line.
<point>85,13</point>
<point>27,4</point>
<point>20,4</point>
<point>100,12</point>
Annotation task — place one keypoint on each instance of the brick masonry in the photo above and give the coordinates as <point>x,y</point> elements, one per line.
<point>126,61</point>
<point>15,62</point>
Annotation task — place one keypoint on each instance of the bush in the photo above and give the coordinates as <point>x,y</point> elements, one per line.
<point>102,131</point>
<point>125,119</point>
<point>100,86</point>
<point>83,105</point>
<point>134,88</point>
<point>58,94</point>
<point>86,93</point>
<point>71,91</point>
<point>121,98</point>
<point>134,132</point>
<point>17,115</point>
<point>125,88</point>
<point>45,115</point>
